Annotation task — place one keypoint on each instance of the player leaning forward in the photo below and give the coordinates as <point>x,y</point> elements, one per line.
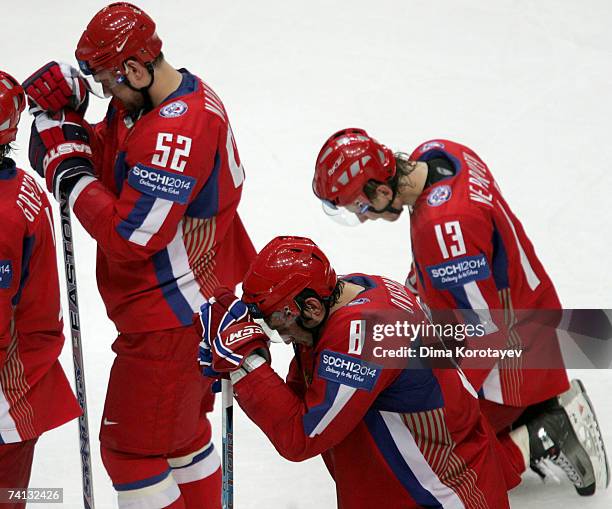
<point>459,219</point>
<point>401,438</point>
<point>156,184</point>
<point>34,393</point>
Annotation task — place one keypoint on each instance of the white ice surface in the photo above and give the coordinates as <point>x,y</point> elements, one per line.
<point>525,83</point>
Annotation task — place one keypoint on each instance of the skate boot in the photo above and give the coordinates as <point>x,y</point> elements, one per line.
<point>567,433</point>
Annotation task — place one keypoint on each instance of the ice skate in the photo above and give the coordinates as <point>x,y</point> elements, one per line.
<point>568,435</point>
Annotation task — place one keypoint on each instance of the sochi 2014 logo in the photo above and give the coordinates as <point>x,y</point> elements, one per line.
<point>439,195</point>
<point>173,110</point>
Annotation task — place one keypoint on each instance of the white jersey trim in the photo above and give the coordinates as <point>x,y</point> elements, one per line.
<point>185,279</point>
<point>342,397</point>
<point>152,222</point>
<point>480,306</point>
<point>404,441</point>
<point>185,473</point>
<point>530,275</point>
<point>491,388</point>
<point>8,427</point>
<point>156,496</point>
<point>78,188</point>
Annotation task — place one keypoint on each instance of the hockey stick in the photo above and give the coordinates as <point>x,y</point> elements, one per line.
<point>227,431</point>
<point>77,352</point>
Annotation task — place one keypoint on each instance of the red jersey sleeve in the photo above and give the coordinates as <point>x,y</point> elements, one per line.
<point>343,388</point>
<point>11,242</point>
<point>168,166</point>
<point>97,133</point>
<point>295,379</point>
<point>455,257</point>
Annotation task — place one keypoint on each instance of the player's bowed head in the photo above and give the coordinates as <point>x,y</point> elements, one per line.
<point>120,48</point>
<point>357,178</point>
<point>12,104</point>
<point>292,286</point>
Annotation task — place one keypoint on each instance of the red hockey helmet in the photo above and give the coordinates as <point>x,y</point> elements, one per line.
<point>281,270</point>
<point>347,161</point>
<point>12,103</point>
<point>117,32</point>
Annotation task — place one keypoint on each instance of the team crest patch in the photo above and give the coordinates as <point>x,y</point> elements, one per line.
<point>6,273</point>
<point>439,195</point>
<point>174,109</point>
<point>430,145</point>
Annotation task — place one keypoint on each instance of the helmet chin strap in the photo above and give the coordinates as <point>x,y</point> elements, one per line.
<point>389,208</point>
<point>148,103</point>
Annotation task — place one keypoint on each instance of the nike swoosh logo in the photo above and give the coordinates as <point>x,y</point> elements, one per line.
<point>120,47</point>
<point>106,422</point>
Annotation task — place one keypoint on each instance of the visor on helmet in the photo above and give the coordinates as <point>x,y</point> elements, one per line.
<point>339,215</point>
<point>100,82</point>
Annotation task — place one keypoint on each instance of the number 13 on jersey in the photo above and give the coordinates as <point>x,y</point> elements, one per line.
<point>450,239</point>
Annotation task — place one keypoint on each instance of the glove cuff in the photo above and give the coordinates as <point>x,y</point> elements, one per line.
<point>251,363</point>
<point>68,174</point>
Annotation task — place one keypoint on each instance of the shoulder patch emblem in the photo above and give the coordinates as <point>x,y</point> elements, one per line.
<point>174,109</point>
<point>439,195</point>
<point>347,370</point>
<point>161,184</point>
<point>459,271</point>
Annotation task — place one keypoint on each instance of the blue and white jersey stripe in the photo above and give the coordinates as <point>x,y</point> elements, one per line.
<point>183,272</point>
<point>319,418</point>
<point>473,306</point>
<point>408,463</point>
<point>195,466</point>
<point>151,493</point>
<point>176,279</point>
<point>145,219</point>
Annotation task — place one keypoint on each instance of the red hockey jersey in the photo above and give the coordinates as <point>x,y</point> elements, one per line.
<point>34,393</point>
<point>163,209</point>
<point>472,254</point>
<point>393,438</point>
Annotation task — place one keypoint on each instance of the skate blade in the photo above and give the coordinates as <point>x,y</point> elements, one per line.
<point>581,414</point>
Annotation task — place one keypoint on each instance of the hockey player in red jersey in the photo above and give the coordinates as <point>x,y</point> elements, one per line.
<point>396,438</point>
<point>34,393</point>
<point>460,219</point>
<point>156,184</point>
